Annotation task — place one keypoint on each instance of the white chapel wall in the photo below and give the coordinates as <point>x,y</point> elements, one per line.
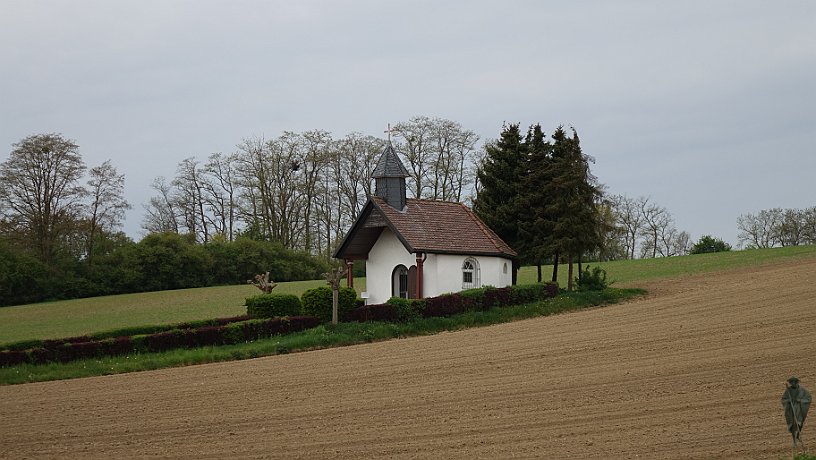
<point>447,273</point>
<point>385,255</point>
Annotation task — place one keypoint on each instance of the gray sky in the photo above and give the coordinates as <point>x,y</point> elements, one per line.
<point>707,107</point>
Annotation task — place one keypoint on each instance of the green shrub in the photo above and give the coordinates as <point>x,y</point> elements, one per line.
<point>234,333</point>
<point>22,345</point>
<point>592,281</point>
<point>474,299</point>
<point>318,302</point>
<point>273,305</point>
<point>140,343</point>
<point>407,309</point>
<point>525,293</point>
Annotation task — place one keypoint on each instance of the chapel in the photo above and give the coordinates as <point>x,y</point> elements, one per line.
<point>416,248</point>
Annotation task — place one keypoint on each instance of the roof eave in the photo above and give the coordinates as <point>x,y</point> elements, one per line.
<point>468,253</point>
<point>393,228</point>
<point>363,213</point>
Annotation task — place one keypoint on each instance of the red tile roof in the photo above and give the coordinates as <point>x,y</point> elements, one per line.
<point>434,227</point>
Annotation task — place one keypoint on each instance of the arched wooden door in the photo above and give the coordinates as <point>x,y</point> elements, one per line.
<point>412,282</point>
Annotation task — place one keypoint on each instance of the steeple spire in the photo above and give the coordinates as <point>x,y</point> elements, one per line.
<point>389,176</point>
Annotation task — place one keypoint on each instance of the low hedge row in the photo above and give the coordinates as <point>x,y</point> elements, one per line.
<point>232,333</point>
<point>403,310</point>
<point>225,331</point>
<point>129,331</point>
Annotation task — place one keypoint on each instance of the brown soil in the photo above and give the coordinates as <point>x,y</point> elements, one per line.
<point>695,370</point>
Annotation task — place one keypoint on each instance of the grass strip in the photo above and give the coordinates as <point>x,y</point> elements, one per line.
<point>324,336</point>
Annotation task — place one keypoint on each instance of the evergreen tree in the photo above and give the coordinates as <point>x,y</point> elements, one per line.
<point>535,224</point>
<point>572,214</point>
<point>497,203</point>
<point>708,243</point>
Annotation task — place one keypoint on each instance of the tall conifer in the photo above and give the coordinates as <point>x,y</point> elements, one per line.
<point>535,225</point>
<point>497,203</point>
<point>573,207</point>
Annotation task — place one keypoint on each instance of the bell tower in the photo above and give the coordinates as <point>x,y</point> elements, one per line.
<point>389,177</point>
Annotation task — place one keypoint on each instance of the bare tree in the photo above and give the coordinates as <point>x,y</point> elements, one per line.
<point>673,242</point>
<point>107,203</point>
<point>40,191</point>
<point>760,230</point>
<point>190,185</point>
<point>271,175</point>
<point>656,221</point>
<point>255,197</point>
<point>791,228</point>
<point>479,156</point>
<point>453,148</point>
<point>286,185</point>
<point>629,215</point>
<point>416,147</point>
<point>161,210</point>
<point>809,225</point>
<point>315,156</point>
<point>358,156</point>
<point>221,193</point>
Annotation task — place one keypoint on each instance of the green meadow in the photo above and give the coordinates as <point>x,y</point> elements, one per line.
<point>633,271</point>
<point>67,318</point>
<point>83,316</point>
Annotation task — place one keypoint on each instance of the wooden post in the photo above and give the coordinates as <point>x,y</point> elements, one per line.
<point>333,279</point>
<point>335,301</point>
<point>419,262</point>
<point>350,273</point>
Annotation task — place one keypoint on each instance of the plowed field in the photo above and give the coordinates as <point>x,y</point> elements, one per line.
<point>695,370</point>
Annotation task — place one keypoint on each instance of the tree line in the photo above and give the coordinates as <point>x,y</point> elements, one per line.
<point>291,198</point>
<point>60,235</point>
<point>777,227</point>
<point>305,190</point>
<point>641,228</point>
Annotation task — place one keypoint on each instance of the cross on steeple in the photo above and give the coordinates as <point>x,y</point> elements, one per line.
<point>389,131</point>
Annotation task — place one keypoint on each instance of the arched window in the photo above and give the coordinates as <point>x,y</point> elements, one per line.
<point>399,282</point>
<point>470,274</point>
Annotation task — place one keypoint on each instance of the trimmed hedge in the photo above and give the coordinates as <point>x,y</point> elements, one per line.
<point>404,310</point>
<point>318,302</point>
<point>234,330</point>
<point>129,331</point>
<point>232,333</point>
<point>273,305</point>
<point>376,312</point>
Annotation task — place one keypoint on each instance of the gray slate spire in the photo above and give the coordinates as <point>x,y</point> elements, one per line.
<point>389,176</point>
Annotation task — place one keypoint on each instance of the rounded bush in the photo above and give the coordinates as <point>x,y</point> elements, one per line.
<point>594,280</point>
<point>318,302</point>
<point>407,309</point>
<point>273,305</point>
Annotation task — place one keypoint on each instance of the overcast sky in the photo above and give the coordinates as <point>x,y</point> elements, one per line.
<point>707,107</point>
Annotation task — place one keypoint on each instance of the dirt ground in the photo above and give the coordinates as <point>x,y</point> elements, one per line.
<point>695,370</point>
